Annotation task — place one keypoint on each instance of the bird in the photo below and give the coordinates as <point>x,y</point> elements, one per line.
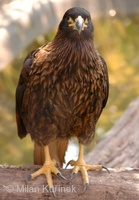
<point>62,89</point>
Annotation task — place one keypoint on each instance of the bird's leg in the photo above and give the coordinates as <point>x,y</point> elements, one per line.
<point>48,168</point>
<point>80,165</point>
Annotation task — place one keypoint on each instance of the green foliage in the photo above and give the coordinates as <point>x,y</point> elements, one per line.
<point>117,40</point>
<point>118,43</point>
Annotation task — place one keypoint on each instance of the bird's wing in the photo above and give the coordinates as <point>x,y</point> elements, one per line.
<point>58,147</point>
<point>21,87</point>
<point>106,79</point>
<point>99,87</point>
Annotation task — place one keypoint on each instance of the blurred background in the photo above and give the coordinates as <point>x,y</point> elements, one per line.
<point>26,25</point>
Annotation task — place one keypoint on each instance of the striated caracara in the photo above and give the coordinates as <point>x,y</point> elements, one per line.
<point>62,90</point>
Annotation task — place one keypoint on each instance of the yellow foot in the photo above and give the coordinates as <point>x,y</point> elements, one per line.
<point>48,168</point>
<point>81,166</point>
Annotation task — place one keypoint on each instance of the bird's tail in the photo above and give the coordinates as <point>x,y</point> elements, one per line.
<point>57,150</point>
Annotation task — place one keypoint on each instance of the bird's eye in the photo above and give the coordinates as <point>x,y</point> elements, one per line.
<point>86,21</point>
<point>70,20</point>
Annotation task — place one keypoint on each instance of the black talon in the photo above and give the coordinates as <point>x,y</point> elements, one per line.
<point>53,192</point>
<point>58,165</point>
<point>72,177</point>
<point>28,178</point>
<point>106,169</point>
<point>67,165</point>
<point>85,188</point>
<point>61,176</point>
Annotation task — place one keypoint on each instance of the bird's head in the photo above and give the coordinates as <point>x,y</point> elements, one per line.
<point>76,22</point>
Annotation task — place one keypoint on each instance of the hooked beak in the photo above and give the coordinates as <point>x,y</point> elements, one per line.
<point>78,24</point>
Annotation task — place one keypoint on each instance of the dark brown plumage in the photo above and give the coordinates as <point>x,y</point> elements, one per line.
<point>63,85</point>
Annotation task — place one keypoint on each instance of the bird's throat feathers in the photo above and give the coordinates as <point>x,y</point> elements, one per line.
<point>77,51</point>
